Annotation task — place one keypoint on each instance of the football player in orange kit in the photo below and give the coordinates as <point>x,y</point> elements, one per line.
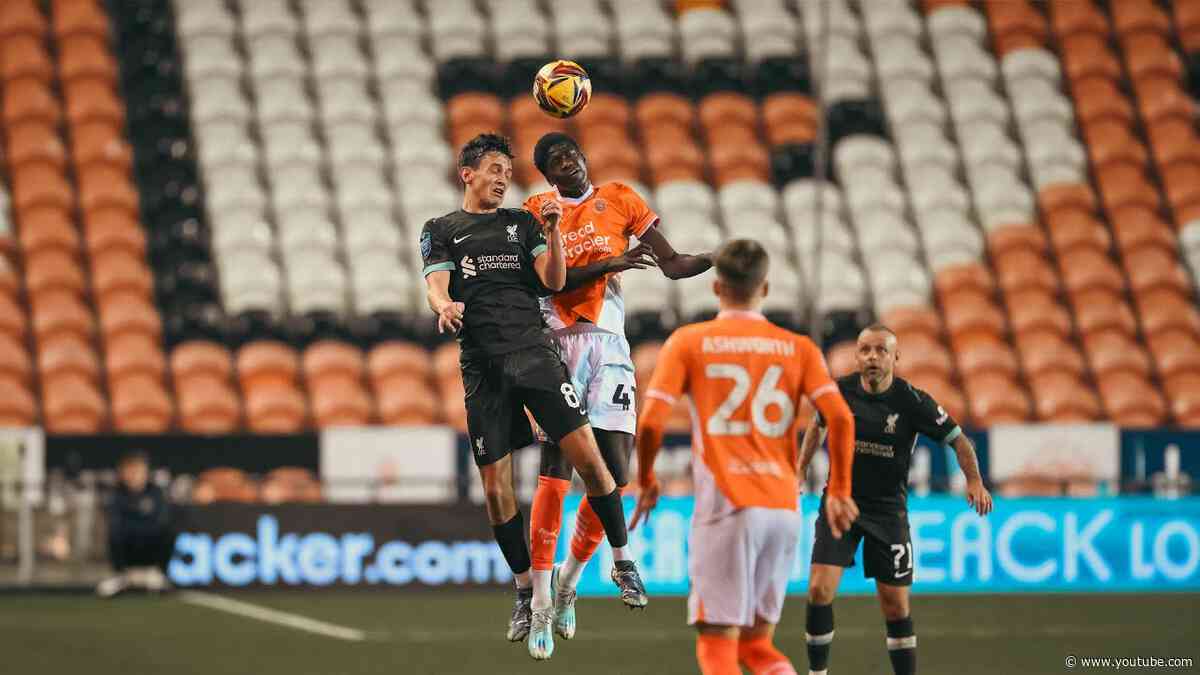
<point>745,378</point>
<point>588,322</point>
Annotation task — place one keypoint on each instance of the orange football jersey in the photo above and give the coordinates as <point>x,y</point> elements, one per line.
<point>595,226</point>
<point>746,378</point>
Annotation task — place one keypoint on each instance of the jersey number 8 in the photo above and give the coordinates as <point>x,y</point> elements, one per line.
<point>765,395</point>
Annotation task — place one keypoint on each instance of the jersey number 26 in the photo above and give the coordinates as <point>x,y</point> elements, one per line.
<point>766,394</point>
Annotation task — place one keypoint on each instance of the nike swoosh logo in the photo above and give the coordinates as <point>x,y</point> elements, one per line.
<point>459,239</point>
<point>902,574</point>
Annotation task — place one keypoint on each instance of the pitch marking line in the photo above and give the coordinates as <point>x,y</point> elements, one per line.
<point>268,615</point>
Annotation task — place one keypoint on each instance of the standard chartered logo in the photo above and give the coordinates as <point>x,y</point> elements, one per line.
<point>318,558</point>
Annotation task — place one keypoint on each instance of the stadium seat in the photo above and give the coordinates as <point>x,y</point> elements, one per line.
<point>265,363</point>
<point>1174,353</point>
<point>207,406</point>
<point>1100,310</point>
<point>338,401</point>
<point>1162,310</point>
<point>996,399</point>
<point>923,353</point>
<point>405,399</point>
<point>223,484</point>
<point>67,356</point>
<point>72,405</point>
<point>1061,397</point>
<point>1036,311</point>
<point>1112,352</point>
<point>1091,270</point>
<point>1045,352</point>
<point>1132,401</point>
<point>275,408</point>
<point>290,484</point>
<point>134,356</point>
<point>978,353</point>
<point>1022,269</point>
<point>140,405</point>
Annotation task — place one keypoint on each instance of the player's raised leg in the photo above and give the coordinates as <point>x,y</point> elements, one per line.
<point>901,638</point>
<point>509,529</point>
<point>823,582</point>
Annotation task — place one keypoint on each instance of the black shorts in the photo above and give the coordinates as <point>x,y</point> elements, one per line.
<point>886,540</point>
<point>500,387</point>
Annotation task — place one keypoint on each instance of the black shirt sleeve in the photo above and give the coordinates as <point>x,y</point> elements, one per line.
<point>931,419</point>
<point>435,250</point>
<point>535,238</point>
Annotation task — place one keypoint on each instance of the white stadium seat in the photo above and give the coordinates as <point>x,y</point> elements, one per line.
<point>1024,64</point>
<point>275,55</point>
<point>961,58</point>
<point>393,20</point>
<point>957,21</point>
<point>193,18</point>
<point>931,197</point>
<point>882,231</point>
<point>282,99</point>
<point>300,237</point>
<point>267,17</point>
<point>678,197</point>
<point>397,58</point>
<point>211,55</point>
<point>224,142</point>
<point>288,143</point>
<point>219,98</point>
<point>242,234</point>
<point>747,198</point>
<point>861,151</point>
<point>898,271</point>
<point>337,55</point>
<point>888,19</point>
<point>972,101</point>
<point>900,57</point>
<point>989,144</point>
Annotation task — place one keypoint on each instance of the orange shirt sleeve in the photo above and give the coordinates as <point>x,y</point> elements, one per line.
<point>639,217</point>
<point>666,386</point>
<point>533,204</point>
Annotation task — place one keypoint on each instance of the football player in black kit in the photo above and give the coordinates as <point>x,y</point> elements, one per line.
<point>888,414</point>
<point>485,268</point>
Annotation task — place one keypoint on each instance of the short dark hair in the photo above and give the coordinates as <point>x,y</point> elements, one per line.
<point>133,456</point>
<point>880,328</point>
<point>472,153</point>
<point>541,151</point>
<point>742,265</point>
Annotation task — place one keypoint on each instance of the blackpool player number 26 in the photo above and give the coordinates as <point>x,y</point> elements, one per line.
<point>766,395</point>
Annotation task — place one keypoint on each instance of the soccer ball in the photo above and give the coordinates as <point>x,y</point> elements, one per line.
<point>562,88</point>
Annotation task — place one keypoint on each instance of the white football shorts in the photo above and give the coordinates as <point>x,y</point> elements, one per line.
<point>601,370</point>
<point>740,565</point>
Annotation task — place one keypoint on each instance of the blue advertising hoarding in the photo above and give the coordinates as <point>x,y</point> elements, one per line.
<point>1025,545</point>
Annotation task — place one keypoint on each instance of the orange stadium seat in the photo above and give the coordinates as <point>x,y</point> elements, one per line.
<point>224,484</point>
<point>67,355</point>
<point>1175,353</point>
<point>266,362</point>
<point>40,185</point>
<point>1042,353</point>
<point>1115,352</point>
<point>331,359</point>
<point>524,112</point>
<point>1089,269</point>
<point>36,141</point>
<point>1099,99</point>
<point>922,353</point>
<point>1131,401</point>
<point>105,186</point>
<point>1079,17</point>
<point>843,358</point>
<point>28,99</point>
<point>337,401</point>
<point>49,234</point>
<point>785,109</point>
<point>921,319</point>
<point>618,158</point>
<point>1075,231</point>
<point>1087,55</point>
<point>79,18</point>
<point>1187,23</point>
<point>91,99</point>
<point>85,56</point>
<point>1148,54</point>
<point>10,284</point>
<point>99,143</point>
<point>1112,144</point>
<point>1160,98</point>
<point>445,361</point>
<point>21,17</point>
<point>944,392</point>
<point>737,157</point>
<point>996,399</point>
<point>1022,269</point>
<point>1036,311</point>
<point>53,270</point>
<point>980,353</point>
<point>25,57</point>
<point>1066,197</point>
<point>1014,237</point>
<point>1173,140</point>
<point>207,406</point>
<point>404,399</point>
<point>663,109</point>
<point>1151,268</point>
<point>605,110</point>
<point>968,276</point>
<point>1137,228</point>
<point>140,405</point>
<point>396,357</point>
<point>290,484</point>
<point>727,108</point>
<point>134,355</point>
<point>72,405</point>
<point>1180,182</point>
<point>1138,16</point>
<point>1061,397</point>
<point>128,314</point>
<point>201,359</point>
<point>1183,391</point>
<point>14,360</point>
<point>274,408</point>
<point>1015,23</point>
<point>451,410</point>
<point>120,272</point>
<point>677,158</point>
<point>60,312</point>
<point>475,108</point>
<point>111,230</point>
<point>1163,310</point>
<point>931,6</point>
<point>13,323</point>
<point>1100,310</point>
<point>17,407</point>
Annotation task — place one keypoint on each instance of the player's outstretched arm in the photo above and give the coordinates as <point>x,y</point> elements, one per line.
<point>813,436</point>
<point>551,266</point>
<point>639,257</point>
<point>676,265</point>
<point>437,293</point>
<point>977,495</point>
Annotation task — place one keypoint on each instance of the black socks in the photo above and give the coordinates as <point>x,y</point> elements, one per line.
<point>819,628</point>
<point>902,646</point>
<point>612,516</point>
<point>513,543</point>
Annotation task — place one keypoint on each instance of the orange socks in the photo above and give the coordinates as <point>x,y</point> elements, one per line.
<point>545,520</point>
<point>589,532</point>
<point>761,657</point>
<point>717,655</point>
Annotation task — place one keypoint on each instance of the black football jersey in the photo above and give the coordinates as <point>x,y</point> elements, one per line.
<point>490,259</point>
<point>885,430</point>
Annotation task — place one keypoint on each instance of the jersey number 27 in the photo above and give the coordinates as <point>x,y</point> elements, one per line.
<point>766,394</point>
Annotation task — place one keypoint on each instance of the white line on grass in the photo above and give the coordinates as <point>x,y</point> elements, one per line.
<point>275,616</point>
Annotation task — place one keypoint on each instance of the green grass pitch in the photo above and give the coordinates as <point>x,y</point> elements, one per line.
<point>457,632</point>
